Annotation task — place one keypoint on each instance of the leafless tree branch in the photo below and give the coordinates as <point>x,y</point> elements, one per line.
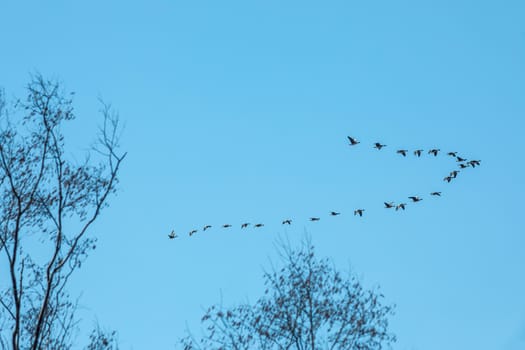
<point>42,191</point>
<point>307,305</point>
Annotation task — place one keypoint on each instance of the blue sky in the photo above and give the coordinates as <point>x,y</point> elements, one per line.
<point>239,110</point>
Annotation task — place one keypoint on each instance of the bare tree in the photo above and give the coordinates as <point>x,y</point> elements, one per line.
<point>49,202</point>
<point>307,305</point>
<point>100,339</point>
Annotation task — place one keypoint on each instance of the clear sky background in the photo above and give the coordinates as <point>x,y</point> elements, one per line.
<point>239,111</point>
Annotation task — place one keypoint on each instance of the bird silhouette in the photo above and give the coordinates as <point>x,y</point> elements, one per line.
<point>434,151</point>
<point>401,206</point>
<point>418,152</point>
<point>359,212</point>
<point>474,163</point>
<point>353,141</point>
<point>463,163</point>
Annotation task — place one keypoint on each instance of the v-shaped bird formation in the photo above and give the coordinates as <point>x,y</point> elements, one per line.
<point>462,163</point>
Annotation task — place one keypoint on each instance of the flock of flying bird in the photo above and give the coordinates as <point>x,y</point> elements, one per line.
<point>463,163</point>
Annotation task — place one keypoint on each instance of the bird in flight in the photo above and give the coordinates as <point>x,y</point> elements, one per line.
<point>378,145</point>
<point>287,222</point>
<point>463,165</point>
<point>474,163</point>
<point>459,159</point>
<point>418,152</point>
<point>206,227</point>
<point>352,141</point>
<point>389,205</point>
<point>434,151</point>
<point>454,174</point>
<point>334,213</point>
<point>172,234</point>
<point>448,178</point>
<point>401,206</point>
<point>452,154</point>
<point>245,225</point>
<point>258,225</point>
<point>403,152</point>
<point>435,194</point>
<point>415,199</point>
<point>192,232</point>
<point>359,212</point>
<point>315,219</point>
<point>226,225</point>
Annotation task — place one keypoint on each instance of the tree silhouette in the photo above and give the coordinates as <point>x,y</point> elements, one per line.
<point>49,201</point>
<point>100,339</point>
<point>307,304</point>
